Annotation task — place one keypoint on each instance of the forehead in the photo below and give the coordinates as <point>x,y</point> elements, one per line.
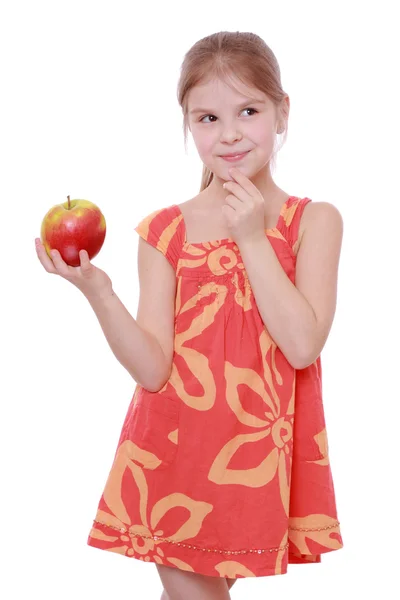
<point>217,92</point>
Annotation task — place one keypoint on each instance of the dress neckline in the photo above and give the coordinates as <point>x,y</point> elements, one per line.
<point>228,239</point>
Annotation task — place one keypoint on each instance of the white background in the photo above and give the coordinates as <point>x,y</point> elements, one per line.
<point>89,109</point>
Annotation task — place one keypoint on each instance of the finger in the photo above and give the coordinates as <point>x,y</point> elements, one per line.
<point>244,181</point>
<point>44,257</point>
<point>85,262</point>
<point>237,190</point>
<point>234,202</point>
<point>62,268</point>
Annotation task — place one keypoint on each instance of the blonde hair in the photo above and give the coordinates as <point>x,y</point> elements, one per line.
<point>221,55</point>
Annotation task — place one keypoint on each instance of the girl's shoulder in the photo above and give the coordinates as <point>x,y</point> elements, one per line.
<point>163,228</point>
<point>306,213</point>
<point>291,224</point>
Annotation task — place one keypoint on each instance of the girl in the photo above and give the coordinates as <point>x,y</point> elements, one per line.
<point>222,468</point>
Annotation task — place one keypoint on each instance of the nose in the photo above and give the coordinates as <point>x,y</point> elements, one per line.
<point>230,134</point>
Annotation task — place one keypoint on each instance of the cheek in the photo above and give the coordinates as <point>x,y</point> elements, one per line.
<point>262,136</point>
<point>204,145</point>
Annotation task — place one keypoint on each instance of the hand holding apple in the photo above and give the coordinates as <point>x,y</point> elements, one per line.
<point>72,234</point>
<point>73,226</point>
<point>93,282</point>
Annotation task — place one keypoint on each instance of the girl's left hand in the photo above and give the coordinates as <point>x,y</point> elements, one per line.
<point>244,208</point>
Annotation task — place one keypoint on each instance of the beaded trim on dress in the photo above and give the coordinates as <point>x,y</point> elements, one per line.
<point>191,546</point>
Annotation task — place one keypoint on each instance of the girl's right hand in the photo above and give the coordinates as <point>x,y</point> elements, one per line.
<point>90,280</point>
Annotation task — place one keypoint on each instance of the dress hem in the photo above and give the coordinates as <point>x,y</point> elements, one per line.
<point>192,558</point>
<point>197,568</point>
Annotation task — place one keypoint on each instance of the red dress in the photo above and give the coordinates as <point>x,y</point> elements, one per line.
<point>224,471</point>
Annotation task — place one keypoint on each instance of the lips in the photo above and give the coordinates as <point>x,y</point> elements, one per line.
<point>234,154</point>
<point>233,158</point>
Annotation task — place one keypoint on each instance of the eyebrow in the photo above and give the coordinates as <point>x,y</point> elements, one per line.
<point>241,105</point>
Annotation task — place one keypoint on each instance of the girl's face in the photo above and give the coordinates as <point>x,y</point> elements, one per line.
<point>224,121</point>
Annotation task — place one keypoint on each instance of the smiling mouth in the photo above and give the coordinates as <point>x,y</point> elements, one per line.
<point>234,156</point>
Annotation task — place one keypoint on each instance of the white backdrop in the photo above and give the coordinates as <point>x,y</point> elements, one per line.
<point>89,109</point>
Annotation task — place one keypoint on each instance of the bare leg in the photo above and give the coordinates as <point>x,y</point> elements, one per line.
<point>229,581</point>
<point>181,585</point>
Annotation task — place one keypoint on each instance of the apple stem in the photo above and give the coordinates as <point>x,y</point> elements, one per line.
<point>69,203</point>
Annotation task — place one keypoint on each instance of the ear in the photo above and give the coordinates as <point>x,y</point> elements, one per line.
<point>285,107</point>
<point>283,114</point>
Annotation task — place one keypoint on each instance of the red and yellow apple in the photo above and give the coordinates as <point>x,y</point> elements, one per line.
<point>72,226</point>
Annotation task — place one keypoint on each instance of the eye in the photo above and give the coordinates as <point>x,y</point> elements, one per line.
<point>202,119</point>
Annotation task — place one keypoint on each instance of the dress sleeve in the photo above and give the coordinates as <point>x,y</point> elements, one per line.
<point>163,230</point>
<point>292,219</point>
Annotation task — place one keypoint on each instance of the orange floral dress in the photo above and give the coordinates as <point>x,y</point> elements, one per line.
<point>225,470</point>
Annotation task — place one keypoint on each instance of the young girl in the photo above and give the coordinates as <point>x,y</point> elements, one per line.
<point>222,468</point>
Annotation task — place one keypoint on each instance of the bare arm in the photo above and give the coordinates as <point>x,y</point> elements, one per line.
<point>144,346</point>
<point>135,348</point>
<point>299,316</point>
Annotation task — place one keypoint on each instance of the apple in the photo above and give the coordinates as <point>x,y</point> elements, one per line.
<point>72,226</point>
